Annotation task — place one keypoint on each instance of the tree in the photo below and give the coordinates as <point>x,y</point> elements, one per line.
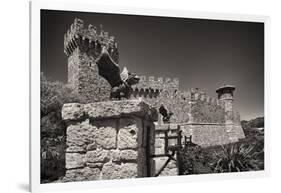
<point>53,95</point>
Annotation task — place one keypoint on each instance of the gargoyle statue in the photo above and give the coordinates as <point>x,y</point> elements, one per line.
<point>124,89</point>
<point>121,84</point>
<point>166,115</point>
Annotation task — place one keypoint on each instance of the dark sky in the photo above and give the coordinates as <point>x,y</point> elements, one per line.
<point>201,53</point>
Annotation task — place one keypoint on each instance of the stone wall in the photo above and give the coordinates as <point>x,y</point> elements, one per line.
<point>150,84</point>
<point>83,76</point>
<point>207,134</point>
<point>205,112</point>
<point>109,140</point>
<point>190,106</point>
<point>212,134</point>
<point>239,131</point>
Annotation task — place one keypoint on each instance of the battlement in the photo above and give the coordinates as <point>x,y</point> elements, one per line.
<point>158,84</point>
<point>196,94</point>
<point>89,37</point>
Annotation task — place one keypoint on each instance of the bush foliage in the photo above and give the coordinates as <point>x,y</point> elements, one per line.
<point>245,155</point>
<point>53,95</point>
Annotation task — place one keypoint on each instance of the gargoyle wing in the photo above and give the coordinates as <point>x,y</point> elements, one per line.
<point>108,69</point>
<point>125,74</point>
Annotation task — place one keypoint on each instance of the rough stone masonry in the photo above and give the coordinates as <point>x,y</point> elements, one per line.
<point>108,140</point>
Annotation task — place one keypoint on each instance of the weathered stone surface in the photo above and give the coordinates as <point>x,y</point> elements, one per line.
<point>83,76</point>
<point>74,160</point>
<point>115,155</point>
<point>151,83</point>
<point>84,174</point>
<point>80,136</point>
<point>128,155</point>
<point>232,135</point>
<point>114,171</point>
<point>109,147</point>
<point>105,136</point>
<point>94,165</point>
<point>83,72</point>
<point>116,108</point>
<point>239,131</point>
<point>97,156</point>
<point>98,110</point>
<point>72,111</point>
<point>208,135</point>
<point>91,146</point>
<point>127,135</point>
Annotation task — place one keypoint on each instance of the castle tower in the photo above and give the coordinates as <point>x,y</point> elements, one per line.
<point>225,97</point>
<point>82,47</point>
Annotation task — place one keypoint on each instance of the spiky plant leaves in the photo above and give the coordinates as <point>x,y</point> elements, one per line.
<point>236,158</point>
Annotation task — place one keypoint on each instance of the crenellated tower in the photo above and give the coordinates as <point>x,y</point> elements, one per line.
<point>225,97</point>
<point>83,45</point>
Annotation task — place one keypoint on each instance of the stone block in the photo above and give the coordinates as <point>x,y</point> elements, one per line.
<point>128,155</point>
<point>97,156</point>
<point>128,134</point>
<point>74,160</point>
<point>84,174</point>
<point>115,155</point>
<point>105,136</point>
<point>118,108</point>
<point>79,136</point>
<point>91,146</point>
<point>72,111</point>
<point>115,171</point>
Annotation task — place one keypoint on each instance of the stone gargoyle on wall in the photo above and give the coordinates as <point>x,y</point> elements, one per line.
<point>121,84</point>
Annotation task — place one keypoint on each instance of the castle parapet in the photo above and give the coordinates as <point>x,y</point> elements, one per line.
<point>158,84</point>
<point>88,37</point>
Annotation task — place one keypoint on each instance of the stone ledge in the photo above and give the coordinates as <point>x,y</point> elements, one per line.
<point>108,109</point>
<point>167,127</point>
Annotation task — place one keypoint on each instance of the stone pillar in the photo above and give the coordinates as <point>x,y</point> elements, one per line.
<point>225,97</point>
<point>109,140</point>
